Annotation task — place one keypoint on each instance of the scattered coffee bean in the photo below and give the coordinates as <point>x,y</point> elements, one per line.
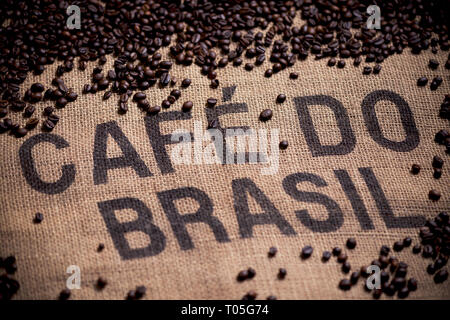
<point>101,283</point>
<point>326,255</point>
<point>211,102</point>
<point>345,284</point>
<point>434,195</point>
<point>306,252</point>
<point>64,294</point>
<point>38,217</point>
<point>351,243</point>
<point>422,81</point>
<point>415,169</point>
<point>187,106</point>
<point>282,273</point>
<point>283,145</point>
<point>433,64</point>
<point>281,98</point>
<point>437,162</point>
<point>266,115</point>
<point>272,252</point>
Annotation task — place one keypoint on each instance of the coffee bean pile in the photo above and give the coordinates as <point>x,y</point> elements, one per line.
<point>434,245</point>
<point>210,34</point>
<point>8,285</point>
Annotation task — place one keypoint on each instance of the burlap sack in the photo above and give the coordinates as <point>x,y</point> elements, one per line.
<point>190,261</point>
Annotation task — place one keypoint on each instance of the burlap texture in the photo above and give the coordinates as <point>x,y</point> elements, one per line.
<point>73,225</point>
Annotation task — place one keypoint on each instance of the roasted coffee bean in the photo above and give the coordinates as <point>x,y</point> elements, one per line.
<point>407,242</point>
<point>139,96</point>
<point>434,195</point>
<point>237,62</point>
<point>266,115</point>
<point>211,102</point>
<point>306,252</point>
<point>251,273</point>
<point>351,243</point>
<point>376,69</point>
<point>272,252</point>
<point>186,83</point>
<point>331,62</point>
<point>64,294</point>
<point>165,104</point>
<point>427,251</point>
<point>140,292</point>
<point>364,272</point>
<point>326,255</point>
<point>341,64</point>
<point>251,295</point>
<point>367,70</point>
<point>268,73</point>
<point>437,81</point>
<point>48,111</point>
<point>431,269</point>
<point>415,169</point>
<point>107,95</point>
<point>61,102</point>
<point>100,247</point>
<point>154,110</point>
<point>38,217</point>
<point>21,132</point>
<point>283,145</point>
<point>282,273</point>
<point>437,162</point>
<point>398,246</point>
<point>416,249</point>
<point>37,87</point>
<point>101,283</point>
<point>336,251</point>
<point>433,64</point>
<point>48,125</point>
<point>345,284</point>
<point>384,261</point>
<point>437,173</point>
<point>403,293</point>
<point>293,75</point>
<point>32,123</point>
<point>242,275</point>
<point>384,251</point>
<point>187,106</point>
<point>342,257</point>
<point>271,298</point>
<point>441,276</point>
<point>28,112</point>
<point>412,284</point>
<point>354,277</point>
<point>422,81</point>
<point>377,293</point>
<point>214,83</point>
<point>249,66</point>
<point>346,267</point>
<point>281,98</point>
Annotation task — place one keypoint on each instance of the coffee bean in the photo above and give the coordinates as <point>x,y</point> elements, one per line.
<point>384,251</point>
<point>48,125</point>
<point>48,111</point>
<point>268,73</point>
<point>100,247</point>
<point>187,106</point>
<point>367,70</point>
<point>242,275</point>
<point>326,255</point>
<point>107,95</point>
<point>434,195</point>
<point>433,64</point>
<point>403,293</point>
<point>101,283</point>
<point>422,81</point>
<point>398,246</point>
<point>139,96</point>
<point>32,123</point>
<point>214,83</point>
<point>140,292</point>
<point>417,248</point>
<point>154,110</point>
<point>37,87</point>
<point>346,267</point>
<point>211,102</point>
<point>354,277</point>
<point>251,295</point>
<point>306,252</point>
<point>342,257</point>
<point>283,145</point>
<point>281,98</point>
<point>407,242</point>
<point>331,62</point>
<point>186,83</point>
<point>376,69</point>
<point>271,298</point>
<point>38,217</point>
<point>351,243</point>
<point>341,64</point>
<point>412,284</point>
<point>282,273</point>
<point>345,285</point>
<point>64,294</point>
<point>441,276</point>
<point>336,251</point>
<point>266,115</point>
<point>251,273</point>
<point>431,269</point>
<point>272,252</point>
<point>437,173</point>
<point>437,162</point>
<point>293,75</point>
<point>415,169</point>
<point>249,66</point>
